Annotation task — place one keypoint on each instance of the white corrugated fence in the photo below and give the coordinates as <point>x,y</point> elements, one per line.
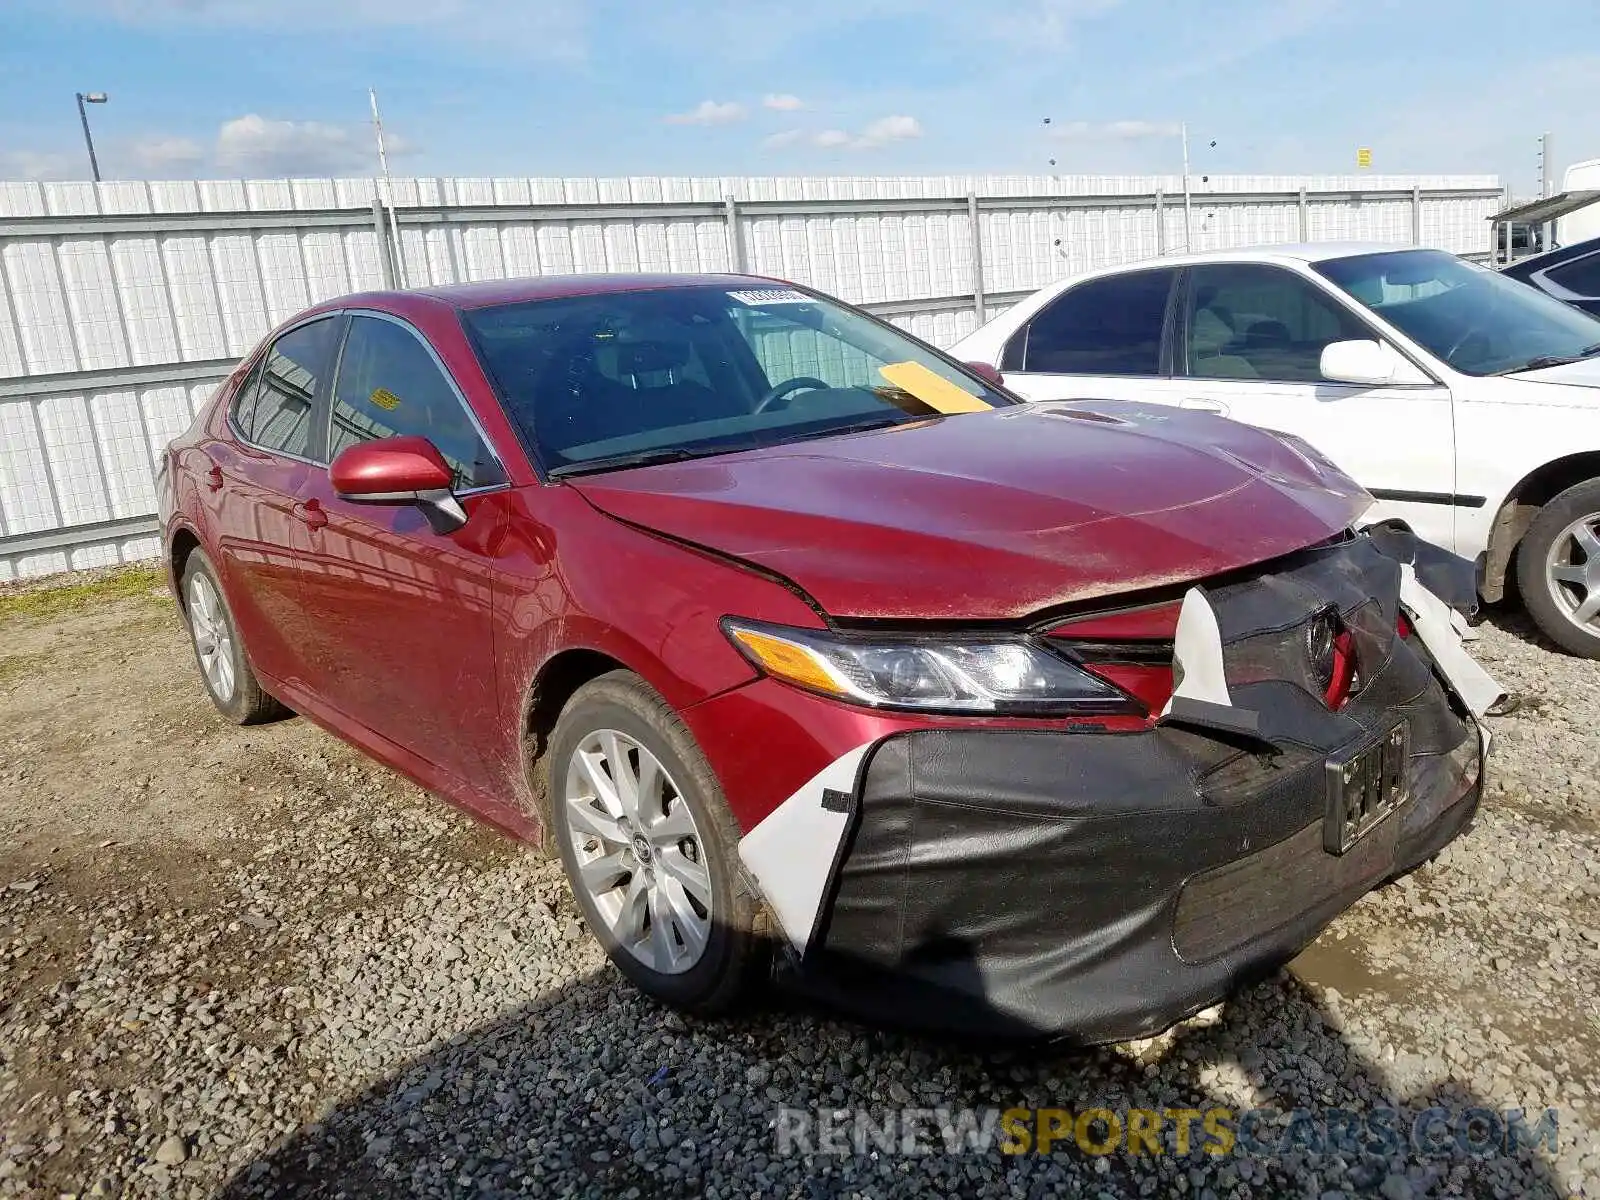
<point>123,304</point>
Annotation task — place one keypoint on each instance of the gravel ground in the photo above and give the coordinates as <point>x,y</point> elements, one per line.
<point>251,962</point>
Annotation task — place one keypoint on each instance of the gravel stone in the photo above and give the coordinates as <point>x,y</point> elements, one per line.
<point>171,1152</point>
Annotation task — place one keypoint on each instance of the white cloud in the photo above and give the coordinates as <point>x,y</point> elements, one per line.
<point>1044,25</point>
<point>878,133</point>
<point>254,146</point>
<point>708,112</point>
<point>165,157</point>
<point>1263,27</point>
<point>782,102</point>
<point>537,28</point>
<point>34,164</point>
<point>889,129</point>
<point>1115,131</point>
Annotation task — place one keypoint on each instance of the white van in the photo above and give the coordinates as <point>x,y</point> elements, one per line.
<point>1585,223</point>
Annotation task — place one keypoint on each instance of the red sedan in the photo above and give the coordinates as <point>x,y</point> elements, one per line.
<point>817,654</point>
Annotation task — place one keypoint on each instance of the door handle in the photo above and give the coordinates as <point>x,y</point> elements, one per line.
<point>311,514</point>
<point>1205,404</point>
<point>214,478</point>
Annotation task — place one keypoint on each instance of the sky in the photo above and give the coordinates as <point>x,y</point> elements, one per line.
<point>264,88</point>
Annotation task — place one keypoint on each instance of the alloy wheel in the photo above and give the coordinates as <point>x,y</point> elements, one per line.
<point>639,853</point>
<point>213,640</point>
<point>1572,572</point>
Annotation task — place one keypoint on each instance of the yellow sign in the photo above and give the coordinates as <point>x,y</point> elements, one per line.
<point>385,399</point>
<point>1363,157</point>
<point>933,390</point>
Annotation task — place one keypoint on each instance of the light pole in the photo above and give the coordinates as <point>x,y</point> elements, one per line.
<point>83,115</point>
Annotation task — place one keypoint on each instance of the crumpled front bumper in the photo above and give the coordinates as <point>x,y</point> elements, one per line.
<point>1099,886</point>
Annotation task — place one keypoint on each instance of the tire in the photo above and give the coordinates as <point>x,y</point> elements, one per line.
<point>709,956</point>
<point>225,670</point>
<point>1553,547</point>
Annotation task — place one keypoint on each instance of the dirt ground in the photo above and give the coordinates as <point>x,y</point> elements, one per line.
<point>165,876</point>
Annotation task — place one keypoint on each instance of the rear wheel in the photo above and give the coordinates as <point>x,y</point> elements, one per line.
<point>1558,569</point>
<point>650,847</point>
<point>218,649</point>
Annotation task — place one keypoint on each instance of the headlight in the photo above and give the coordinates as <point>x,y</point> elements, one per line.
<point>1005,676</point>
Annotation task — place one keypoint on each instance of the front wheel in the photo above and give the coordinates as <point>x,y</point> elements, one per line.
<point>650,847</point>
<point>1558,569</point>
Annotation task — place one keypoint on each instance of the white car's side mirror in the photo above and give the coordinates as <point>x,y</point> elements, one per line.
<point>1375,364</point>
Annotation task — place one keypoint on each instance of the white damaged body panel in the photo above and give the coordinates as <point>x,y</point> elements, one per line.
<point>1435,623</point>
<point>792,852</point>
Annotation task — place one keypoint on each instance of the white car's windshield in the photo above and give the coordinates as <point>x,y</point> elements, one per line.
<point>1476,320</point>
<point>618,379</point>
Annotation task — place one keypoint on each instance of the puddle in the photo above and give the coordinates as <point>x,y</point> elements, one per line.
<point>1328,962</point>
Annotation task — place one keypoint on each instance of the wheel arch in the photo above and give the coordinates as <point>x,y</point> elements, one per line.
<point>561,675</point>
<point>1522,504</point>
<point>183,542</point>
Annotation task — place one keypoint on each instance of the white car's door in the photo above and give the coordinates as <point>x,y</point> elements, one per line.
<point>1100,340</point>
<point>1250,341</point>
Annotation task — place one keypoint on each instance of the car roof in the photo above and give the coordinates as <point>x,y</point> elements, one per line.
<point>485,293</point>
<point>1524,267</point>
<point>1302,252</point>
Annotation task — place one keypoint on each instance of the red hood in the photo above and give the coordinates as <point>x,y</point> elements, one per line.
<point>996,515</point>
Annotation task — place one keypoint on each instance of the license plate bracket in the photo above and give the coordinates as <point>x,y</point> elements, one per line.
<point>1365,783</point>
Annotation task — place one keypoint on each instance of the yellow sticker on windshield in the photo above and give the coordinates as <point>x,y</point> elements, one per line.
<point>937,392</point>
<point>385,399</point>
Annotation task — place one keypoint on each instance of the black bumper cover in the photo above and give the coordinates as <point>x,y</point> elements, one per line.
<point>1099,886</point>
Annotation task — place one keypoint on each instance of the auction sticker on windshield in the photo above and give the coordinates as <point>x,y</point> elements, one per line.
<point>765,296</point>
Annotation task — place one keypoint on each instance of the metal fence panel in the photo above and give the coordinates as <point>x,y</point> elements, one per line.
<point>123,304</point>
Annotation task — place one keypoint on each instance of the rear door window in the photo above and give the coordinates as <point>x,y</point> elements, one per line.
<point>242,409</point>
<point>286,403</point>
<point>1107,326</point>
<point>1581,276</point>
<point>390,385</point>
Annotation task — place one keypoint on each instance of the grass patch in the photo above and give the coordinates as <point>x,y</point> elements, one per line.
<point>18,666</point>
<point>39,602</point>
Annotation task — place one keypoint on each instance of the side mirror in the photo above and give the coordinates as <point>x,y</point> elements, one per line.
<point>399,470</point>
<point>987,372</point>
<point>1373,363</point>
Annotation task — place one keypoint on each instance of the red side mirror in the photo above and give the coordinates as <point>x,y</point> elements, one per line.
<point>395,468</point>
<point>986,371</point>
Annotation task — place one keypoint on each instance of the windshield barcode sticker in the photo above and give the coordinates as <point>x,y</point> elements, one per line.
<point>764,296</point>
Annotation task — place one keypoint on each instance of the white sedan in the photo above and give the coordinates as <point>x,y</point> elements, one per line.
<point>1468,404</point>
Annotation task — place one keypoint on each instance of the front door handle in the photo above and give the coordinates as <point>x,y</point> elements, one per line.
<point>1206,404</point>
<point>214,478</point>
<point>311,514</point>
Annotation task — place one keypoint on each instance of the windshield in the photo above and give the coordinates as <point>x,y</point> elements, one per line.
<point>1476,320</point>
<point>623,378</point>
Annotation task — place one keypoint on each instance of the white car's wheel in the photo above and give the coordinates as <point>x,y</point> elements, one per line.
<point>1558,569</point>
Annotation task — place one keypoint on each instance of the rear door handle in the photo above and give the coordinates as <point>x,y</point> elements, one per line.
<point>1206,404</point>
<point>214,478</point>
<point>311,514</point>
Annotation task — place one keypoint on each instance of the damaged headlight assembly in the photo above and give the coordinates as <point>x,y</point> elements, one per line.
<point>953,674</point>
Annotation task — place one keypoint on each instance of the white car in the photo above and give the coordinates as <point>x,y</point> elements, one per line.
<point>1468,404</point>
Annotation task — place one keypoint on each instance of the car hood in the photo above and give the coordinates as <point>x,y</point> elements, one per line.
<point>996,515</point>
<point>1584,373</point>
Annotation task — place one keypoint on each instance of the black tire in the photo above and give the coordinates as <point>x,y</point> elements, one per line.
<point>246,702</point>
<point>735,955</point>
<point>1533,555</point>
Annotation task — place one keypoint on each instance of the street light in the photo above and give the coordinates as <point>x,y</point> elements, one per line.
<point>83,115</point>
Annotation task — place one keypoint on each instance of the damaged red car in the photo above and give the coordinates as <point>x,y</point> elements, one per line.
<point>815,655</point>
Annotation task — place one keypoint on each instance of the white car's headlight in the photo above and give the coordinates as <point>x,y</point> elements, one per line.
<point>978,676</point>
